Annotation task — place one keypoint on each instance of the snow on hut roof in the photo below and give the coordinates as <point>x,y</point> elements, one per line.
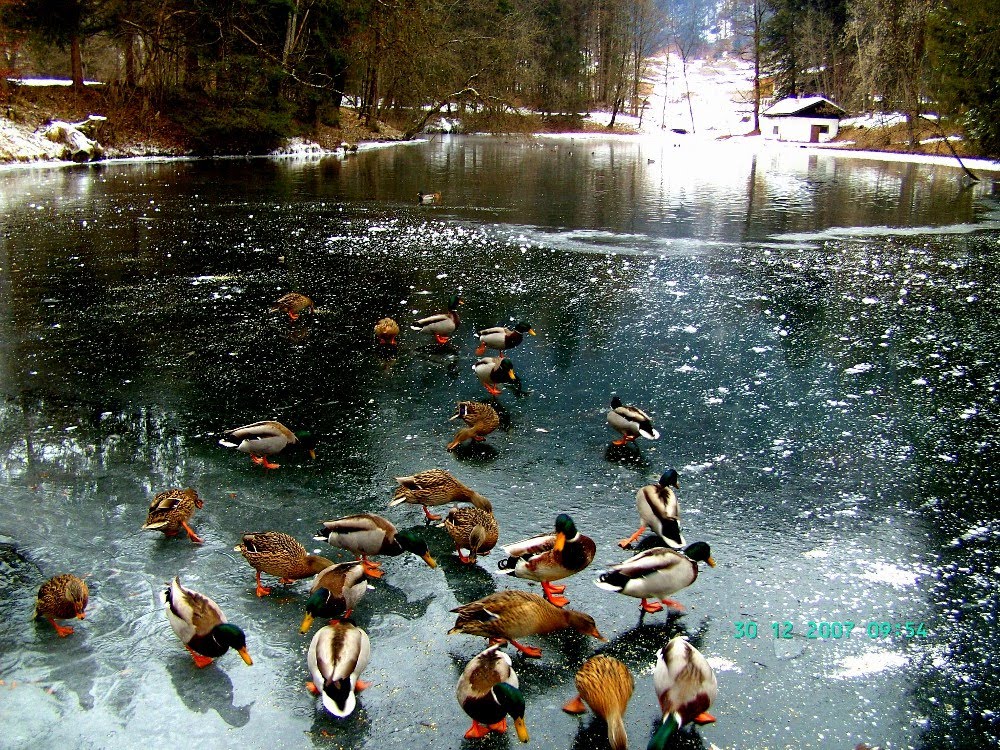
<point>817,106</point>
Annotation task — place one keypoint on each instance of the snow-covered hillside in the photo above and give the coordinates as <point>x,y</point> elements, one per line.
<point>721,97</point>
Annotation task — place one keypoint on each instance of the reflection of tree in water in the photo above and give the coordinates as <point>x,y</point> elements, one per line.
<point>208,689</point>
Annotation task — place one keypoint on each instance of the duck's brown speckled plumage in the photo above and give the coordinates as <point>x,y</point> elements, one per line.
<point>170,511</point>
<point>61,598</point>
<point>279,554</point>
<point>294,304</point>
<point>386,331</point>
<point>480,419</point>
<point>606,685</point>
<point>514,614</point>
<point>473,529</point>
<point>434,487</point>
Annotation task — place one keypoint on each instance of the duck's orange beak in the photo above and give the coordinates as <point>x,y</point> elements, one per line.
<point>532,331</point>
<point>245,655</point>
<point>307,622</point>
<point>522,730</point>
<point>560,542</point>
<point>711,562</point>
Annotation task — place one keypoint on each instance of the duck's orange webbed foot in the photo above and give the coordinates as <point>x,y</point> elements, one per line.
<point>651,607</point>
<point>574,706</point>
<point>262,590</point>
<point>61,630</point>
<point>191,535</point>
<point>442,340</point>
<point>199,661</point>
<point>625,543</point>
<point>477,731</point>
<point>534,653</point>
<point>372,569</point>
<point>430,516</point>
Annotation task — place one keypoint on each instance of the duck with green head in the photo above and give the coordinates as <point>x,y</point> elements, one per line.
<point>686,687</point>
<point>202,628</point>
<point>550,557</point>
<point>337,656</point>
<point>335,592</point>
<point>488,691</point>
<point>441,325</point>
<point>502,338</point>
<point>659,510</point>
<point>267,438</point>
<point>656,573</point>
<point>367,534</point>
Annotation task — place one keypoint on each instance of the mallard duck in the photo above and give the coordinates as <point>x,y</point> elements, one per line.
<point>511,614</point>
<point>60,598</point>
<point>294,304</point>
<point>658,508</point>
<point>338,654</point>
<point>433,487</point>
<point>201,626</point>
<point>368,534</point>
<point>428,199</point>
<point>386,331</point>
<point>630,421</point>
<point>487,691</point>
<point>442,325</point>
<point>501,338</point>
<point>550,557</point>
<point>474,529</point>
<point>170,512</point>
<point>480,419</point>
<point>279,555</point>
<point>494,370</point>
<point>267,438</point>
<point>335,592</point>
<point>606,685</point>
<point>656,573</point>
<point>685,686</point>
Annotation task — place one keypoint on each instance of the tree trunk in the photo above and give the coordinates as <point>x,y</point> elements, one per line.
<point>130,77</point>
<point>76,63</point>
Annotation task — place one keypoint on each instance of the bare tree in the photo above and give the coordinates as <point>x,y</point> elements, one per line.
<point>890,39</point>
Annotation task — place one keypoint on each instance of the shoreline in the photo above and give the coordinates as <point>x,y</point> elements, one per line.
<point>755,143</point>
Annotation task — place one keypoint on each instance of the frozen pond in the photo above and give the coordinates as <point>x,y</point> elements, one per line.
<point>814,336</point>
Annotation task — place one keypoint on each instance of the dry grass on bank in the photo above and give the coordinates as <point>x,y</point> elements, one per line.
<point>896,138</point>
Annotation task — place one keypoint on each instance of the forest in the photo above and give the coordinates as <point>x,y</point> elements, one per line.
<point>240,75</point>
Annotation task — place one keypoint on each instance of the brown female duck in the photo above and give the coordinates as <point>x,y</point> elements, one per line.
<point>279,555</point>
<point>60,598</point>
<point>474,529</point>
<point>606,685</point>
<point>480,420</point>
<point>170,512</point>
<point>511,614</point>
<point>294,304</point>
<point>434,487</point>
